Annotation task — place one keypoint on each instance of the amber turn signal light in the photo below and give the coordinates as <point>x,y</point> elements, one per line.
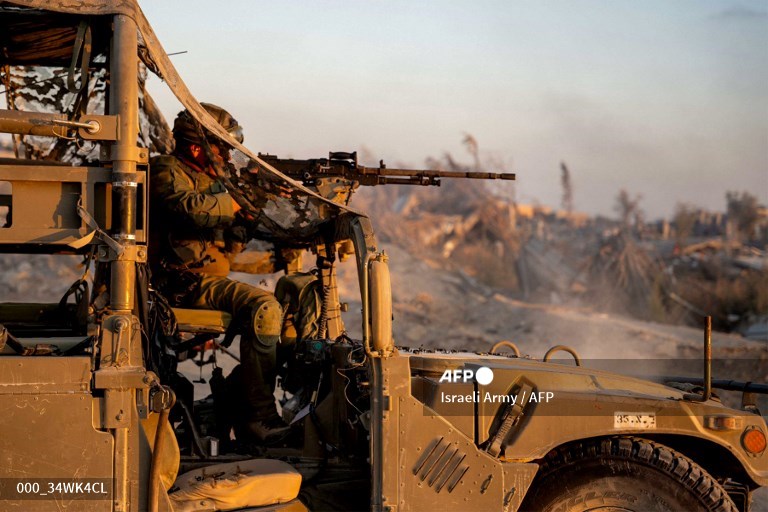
<point>753,440</point>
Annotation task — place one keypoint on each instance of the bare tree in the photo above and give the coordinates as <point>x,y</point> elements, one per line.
<point>628,209</point>
<point>685,221</point>
<point>471,143</point>
<point>742,211</point>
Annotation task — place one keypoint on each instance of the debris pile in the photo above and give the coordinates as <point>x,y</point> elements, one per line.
<point>727,281</point>
<point>37,277</point>
<point>621,269</point>
<point>673,271</point>
<point>461,225</point>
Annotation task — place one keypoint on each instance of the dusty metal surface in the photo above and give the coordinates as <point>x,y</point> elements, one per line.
<point>45,201</point>
<point>583,403</point>
<point>49,431</point>
<point>427,462</point>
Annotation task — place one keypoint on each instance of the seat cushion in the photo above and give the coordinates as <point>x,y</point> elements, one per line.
<point>202,320</point>
<point>249,483</point>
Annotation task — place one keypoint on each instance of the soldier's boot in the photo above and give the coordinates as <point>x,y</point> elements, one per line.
<point>269,429</point>
<point>258,360</point>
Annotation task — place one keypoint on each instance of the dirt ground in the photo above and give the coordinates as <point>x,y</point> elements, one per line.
<point>434,309</point>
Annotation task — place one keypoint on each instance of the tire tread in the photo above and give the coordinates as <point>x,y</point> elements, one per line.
<point>649,453</point>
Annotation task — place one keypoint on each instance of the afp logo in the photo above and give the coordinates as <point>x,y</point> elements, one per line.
<point>483,375</point>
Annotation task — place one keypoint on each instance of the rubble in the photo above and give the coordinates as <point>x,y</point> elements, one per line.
<point>37,277</point>
<point>663,271</point>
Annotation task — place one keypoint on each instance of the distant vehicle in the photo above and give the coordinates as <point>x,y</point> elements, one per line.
<point>96,417</point>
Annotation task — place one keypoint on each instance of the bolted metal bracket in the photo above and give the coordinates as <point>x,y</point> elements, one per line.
<point>98,127</point>
<point>121,351</point>
<point>109,153</point>
<point>137,253</point>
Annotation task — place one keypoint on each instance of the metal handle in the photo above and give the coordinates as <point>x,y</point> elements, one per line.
<point>342,155</point>
<point>563,348</point>
<point>508,344</point>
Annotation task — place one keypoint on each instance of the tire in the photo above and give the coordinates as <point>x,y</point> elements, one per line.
<point>623,474</point>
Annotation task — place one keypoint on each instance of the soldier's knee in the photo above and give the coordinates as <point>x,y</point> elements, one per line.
<point>267,322</point>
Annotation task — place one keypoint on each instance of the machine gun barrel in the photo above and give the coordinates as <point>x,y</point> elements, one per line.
<point>385,176</point>
<point>344,165</point>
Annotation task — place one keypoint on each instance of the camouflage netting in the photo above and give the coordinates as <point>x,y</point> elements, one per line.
<point>44,89</point>
<point>282,209</point>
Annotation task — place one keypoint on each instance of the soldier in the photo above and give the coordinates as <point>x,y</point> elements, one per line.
<point>193,240</point>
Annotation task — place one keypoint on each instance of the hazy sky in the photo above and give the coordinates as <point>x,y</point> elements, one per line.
<point>668,99</point>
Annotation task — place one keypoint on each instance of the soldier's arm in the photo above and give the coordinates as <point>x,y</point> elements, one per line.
<point>178,193</point>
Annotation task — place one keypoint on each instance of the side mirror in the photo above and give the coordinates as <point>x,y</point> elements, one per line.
<point>380,290</point>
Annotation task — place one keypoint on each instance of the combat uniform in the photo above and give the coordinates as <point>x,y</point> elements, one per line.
<point>192,242</point>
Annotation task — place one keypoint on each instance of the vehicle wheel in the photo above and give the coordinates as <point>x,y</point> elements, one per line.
<point>623,474</point>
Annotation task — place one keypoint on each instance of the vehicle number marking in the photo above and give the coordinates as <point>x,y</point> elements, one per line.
<point>12,489</point>
<point>639,420</point>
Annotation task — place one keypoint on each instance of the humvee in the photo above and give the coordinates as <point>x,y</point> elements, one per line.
<point>92,421</point>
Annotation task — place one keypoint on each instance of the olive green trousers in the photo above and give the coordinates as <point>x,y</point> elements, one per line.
<point>261,316</point>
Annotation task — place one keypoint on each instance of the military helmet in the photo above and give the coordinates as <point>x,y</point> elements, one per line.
<point>185,126</point>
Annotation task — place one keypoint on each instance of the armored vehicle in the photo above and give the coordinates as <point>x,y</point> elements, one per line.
<point>95,415</point>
